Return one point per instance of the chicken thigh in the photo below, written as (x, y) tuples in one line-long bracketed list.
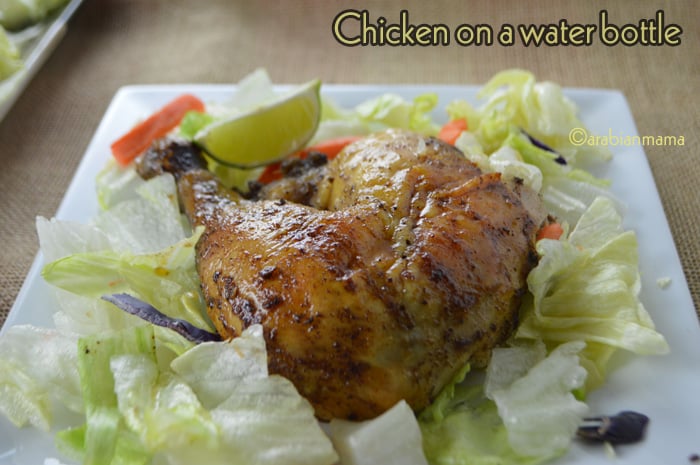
[(376, 276)]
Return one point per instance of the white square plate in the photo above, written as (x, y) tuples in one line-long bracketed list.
[(666, 388)]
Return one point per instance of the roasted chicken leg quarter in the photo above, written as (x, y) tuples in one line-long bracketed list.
[(375, 276)]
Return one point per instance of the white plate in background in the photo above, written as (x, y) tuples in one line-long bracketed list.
[(40, 40)]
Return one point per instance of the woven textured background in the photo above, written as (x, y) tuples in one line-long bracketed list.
[(111, 43)]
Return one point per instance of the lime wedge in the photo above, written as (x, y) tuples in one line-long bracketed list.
[(266, 134)]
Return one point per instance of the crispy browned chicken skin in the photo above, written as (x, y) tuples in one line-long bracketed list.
[(375, 277)]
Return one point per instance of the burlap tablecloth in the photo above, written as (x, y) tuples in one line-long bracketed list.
[(111, 43)]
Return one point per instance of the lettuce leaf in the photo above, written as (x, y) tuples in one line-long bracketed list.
[(252, 91), (586, 288), (377, 114), (393, 111), (211, 368), (393, 438), (139, 244), (514, 99), (261, 418), (161, 409), (469, 432), (139, 217), (115, 183), (19, 14), (38, 375), (147, 223), (523, 413), (193, 122), (217, 405), (266, 421), (516, 106), (104, 435), (538, 409), (167, 279)]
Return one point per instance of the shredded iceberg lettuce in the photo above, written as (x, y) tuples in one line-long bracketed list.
[(514, 99), (539, 409), (523, 413), (38, 374), (218, 405), (468, 430), (167, 279), (586, 288), (116, 183), (104, 432), (214, 404), (140, 243), (383, 112), (138, 217), (516, 109), (393, 438)]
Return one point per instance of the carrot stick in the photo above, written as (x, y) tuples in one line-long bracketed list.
[(550, 231), (141, 136), (450, 131), (330, 148), (272, 172)]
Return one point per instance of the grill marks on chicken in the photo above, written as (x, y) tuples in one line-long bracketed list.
[(376, 276)]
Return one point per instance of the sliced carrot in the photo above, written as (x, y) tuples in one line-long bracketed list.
[(141, 136), (451, 130), (550, 231), (330, 148), (272, 172)]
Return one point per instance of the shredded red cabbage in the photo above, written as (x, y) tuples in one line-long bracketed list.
[(539, 144), (149, 313)]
